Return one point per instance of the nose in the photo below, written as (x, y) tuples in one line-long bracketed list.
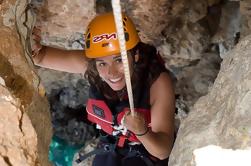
[(112, 71)]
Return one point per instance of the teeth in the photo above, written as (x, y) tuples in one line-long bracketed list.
[(115, 80)]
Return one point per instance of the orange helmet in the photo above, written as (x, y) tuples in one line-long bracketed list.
[(101, 36)]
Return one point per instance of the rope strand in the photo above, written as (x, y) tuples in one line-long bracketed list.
[(121, 37)]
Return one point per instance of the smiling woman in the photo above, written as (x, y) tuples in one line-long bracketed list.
[(111, 71), (145, 138)]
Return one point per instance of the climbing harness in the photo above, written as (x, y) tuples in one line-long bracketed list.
[(129, 152)]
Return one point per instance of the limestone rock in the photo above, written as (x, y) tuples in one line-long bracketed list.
[(192, 10), (17, 135), (150, 17), (25, 128), (64, 22), (245, 18), (213, 2), (217, 156), (229, 22), (28, 136), (194, 81), (229, 27), (184, 37), (184, 43), (52, 79), (223, 116)]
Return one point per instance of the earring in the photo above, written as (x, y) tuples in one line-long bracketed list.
[(136, 58)]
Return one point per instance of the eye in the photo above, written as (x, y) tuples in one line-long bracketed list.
[(119, 60), (101, 64)]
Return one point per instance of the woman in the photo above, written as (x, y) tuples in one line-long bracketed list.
[(150, 132)]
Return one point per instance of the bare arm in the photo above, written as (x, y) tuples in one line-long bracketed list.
[(52, 58), (62, 60), (159, 140)]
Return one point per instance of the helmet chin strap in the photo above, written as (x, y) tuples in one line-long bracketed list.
[(121, 38)]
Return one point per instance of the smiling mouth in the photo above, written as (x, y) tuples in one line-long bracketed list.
[(115, 80)]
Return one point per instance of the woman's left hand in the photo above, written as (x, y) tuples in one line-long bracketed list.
[(135, 123)]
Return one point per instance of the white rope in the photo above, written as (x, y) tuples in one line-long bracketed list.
[(121, 37)]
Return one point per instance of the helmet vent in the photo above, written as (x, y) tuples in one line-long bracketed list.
[(88, 36), (126, 36), (87, 44)]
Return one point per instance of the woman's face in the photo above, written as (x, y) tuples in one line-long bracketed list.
[(111, 70)]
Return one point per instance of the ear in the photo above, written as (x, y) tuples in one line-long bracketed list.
[(136, 58)]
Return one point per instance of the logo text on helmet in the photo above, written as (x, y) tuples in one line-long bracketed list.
[(102, 37)]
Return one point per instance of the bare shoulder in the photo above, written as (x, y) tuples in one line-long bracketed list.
[(162, 100), (162, 87)]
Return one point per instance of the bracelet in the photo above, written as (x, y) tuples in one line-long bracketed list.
[(147, 130)]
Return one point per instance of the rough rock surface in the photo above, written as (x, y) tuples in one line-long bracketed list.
[(52, 79), (184, 43), (245, 17), (213, 2), (222, 114), (149, 17), (195, 80), (64, 22), (17, 135), (227, 34), (25, 127)]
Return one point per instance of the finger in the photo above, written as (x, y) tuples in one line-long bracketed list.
[(37, 29), (36, 47), (36, 37), (34, 53), (128, 113), (123, 121)]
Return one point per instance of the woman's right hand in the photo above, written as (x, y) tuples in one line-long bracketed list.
[(36, 45), (72, 61)]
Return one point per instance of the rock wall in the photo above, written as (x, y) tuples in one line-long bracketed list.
[(25, 126), (245, 17), (222, 117), (64, 22), (190, 35), (18, 136)]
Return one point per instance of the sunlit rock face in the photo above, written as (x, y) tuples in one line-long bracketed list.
[(217, 156), (17, 134), (223, 116), (25, 125)]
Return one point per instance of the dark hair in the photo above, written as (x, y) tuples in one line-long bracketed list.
[(148, 68)]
